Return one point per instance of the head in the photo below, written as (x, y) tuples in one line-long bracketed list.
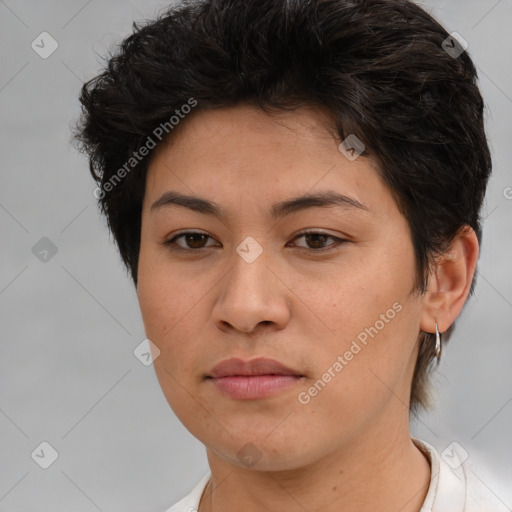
[(244, 107)]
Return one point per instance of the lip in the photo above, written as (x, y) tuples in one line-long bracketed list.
[(254, 379), (236, 367)]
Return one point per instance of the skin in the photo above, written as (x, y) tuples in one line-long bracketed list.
[(349, 448)]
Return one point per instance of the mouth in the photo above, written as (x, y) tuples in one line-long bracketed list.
[(254, 387), (254, 379)]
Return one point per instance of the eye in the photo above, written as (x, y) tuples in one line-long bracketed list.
[(316, 240), (192, 239)]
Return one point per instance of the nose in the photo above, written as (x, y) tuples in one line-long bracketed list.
[(252, 295)]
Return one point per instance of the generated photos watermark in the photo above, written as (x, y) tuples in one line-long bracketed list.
[(304, 397)]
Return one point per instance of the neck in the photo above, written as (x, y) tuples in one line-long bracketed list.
[(387, 474)]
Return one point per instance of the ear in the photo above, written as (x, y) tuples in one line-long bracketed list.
[(450, 282)]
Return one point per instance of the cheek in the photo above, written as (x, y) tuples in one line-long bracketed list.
[(174, 310), (166, 318), (352, 298), (165, 312), (165, 296), (368, 308), (361, 374)]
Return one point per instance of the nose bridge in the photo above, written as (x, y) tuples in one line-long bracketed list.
[(250, 293), (249, 264)]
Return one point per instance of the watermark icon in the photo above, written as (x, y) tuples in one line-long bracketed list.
[(304, 397), (44, 45), (249, 249), (248, 455), (137, 156), (45, 455), (146, 352), (454, 45), (454, 455), (351, 147), (507, 192), (44, 250)]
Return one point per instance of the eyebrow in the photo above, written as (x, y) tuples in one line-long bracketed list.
[(324, 199)]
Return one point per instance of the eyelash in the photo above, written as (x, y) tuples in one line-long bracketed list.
[(171, 243)]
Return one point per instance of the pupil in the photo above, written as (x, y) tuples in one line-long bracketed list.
[(192, 237), (316, 236)]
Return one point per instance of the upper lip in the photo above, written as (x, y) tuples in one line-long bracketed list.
[(258, 366)]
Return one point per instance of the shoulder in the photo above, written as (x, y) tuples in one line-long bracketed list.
[(483, 493), (190, 502), (459, 485)]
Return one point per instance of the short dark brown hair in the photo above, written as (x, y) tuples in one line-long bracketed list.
[(378, 66)]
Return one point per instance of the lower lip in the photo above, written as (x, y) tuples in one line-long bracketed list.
[(255, 386)]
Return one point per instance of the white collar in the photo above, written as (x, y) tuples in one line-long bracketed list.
[(447, 489)]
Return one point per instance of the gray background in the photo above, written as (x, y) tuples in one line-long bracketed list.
[(68, 374)]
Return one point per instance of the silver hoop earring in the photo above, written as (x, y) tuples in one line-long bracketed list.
[(438, 344)]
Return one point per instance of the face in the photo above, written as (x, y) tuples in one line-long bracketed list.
[(236, 277)]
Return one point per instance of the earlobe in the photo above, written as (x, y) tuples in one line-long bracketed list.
[(450, 282)]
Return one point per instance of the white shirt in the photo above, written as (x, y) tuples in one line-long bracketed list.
[(454, 487)]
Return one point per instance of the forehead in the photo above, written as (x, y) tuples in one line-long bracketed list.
[(240, 153)]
